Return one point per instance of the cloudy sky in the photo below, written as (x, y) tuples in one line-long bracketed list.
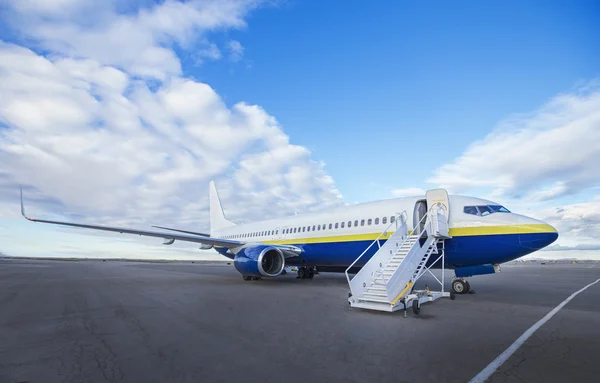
[(120, 112)]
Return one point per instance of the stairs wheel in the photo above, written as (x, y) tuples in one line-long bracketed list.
[(452, 295), (416, 307)]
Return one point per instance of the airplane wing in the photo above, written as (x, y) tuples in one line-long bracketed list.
[(182, 231), (289, 251)]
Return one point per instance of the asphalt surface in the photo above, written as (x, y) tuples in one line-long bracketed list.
[(93, 321)]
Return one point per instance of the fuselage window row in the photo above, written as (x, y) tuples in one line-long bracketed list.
[(304, 229)]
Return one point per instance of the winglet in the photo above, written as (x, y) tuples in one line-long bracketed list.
[(23, 208)]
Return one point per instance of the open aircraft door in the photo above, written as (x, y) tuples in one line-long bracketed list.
[(439, 198)]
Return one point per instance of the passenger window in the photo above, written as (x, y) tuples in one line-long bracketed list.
[(330, 226), (343, 224), (319, 227), (336, 225), (349, 223), (303, 229), (362, 222), (314, 227), (307, 228), (392, 218), (369, 221), (384, 220), (356, 223), (376, 221)]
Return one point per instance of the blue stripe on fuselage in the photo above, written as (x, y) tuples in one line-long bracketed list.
[(460, 250)]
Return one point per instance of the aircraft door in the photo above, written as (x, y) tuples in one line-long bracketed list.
[(439, 198), (439, 195), (419, 212)]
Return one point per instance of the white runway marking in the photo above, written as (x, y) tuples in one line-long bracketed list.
[(492, 367)]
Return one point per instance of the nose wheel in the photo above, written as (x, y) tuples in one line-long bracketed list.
[(460, 286)]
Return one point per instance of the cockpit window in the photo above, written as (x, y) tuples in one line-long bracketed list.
[(471, 210), (499, 209), (483, 210)]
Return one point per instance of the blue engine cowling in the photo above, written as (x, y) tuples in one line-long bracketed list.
[(259, 261)]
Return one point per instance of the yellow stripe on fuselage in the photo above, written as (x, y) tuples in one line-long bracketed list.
[(508, 229), (454, 232)]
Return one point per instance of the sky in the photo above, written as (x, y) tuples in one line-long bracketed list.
[(121, 112)]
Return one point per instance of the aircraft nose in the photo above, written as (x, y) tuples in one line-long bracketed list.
[(535, 234)]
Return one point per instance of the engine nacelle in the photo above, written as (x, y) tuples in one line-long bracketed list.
[(260, 261)]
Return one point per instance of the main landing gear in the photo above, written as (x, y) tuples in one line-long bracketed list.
[(306, 272), (461, 286), (251, 278)]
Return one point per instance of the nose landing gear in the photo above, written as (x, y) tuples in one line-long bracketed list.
[(461, 286)]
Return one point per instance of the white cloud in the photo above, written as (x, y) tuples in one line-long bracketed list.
[(139, 41), (578, 223), (408, 192), (236, 50), (550, 153), (84, 133), (211, 52), (132, 150)]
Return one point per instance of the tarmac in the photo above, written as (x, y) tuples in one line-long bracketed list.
[(95, 321)]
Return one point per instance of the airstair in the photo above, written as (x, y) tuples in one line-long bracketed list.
[(386, 282)]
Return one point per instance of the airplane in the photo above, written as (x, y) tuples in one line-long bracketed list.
[(483, 233)]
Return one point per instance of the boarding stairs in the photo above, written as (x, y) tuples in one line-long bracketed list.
[(386, 281)]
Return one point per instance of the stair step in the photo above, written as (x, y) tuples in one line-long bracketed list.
[(374, 300), (376, 295), (376, 288)]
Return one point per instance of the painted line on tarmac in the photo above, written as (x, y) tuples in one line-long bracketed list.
[(492, 367)]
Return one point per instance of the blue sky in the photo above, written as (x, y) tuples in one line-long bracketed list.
[(359, 101), (340, 77)]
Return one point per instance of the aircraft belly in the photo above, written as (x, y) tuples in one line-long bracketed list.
[(460, 250)]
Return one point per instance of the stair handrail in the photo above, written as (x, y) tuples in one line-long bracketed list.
[(429, 230), (401, 216), (408, 238)]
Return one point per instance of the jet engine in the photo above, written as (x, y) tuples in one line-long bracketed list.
[(259, 261)]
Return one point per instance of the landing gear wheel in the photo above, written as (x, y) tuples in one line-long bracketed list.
[(460, 286), (416, 307), (311, 273), (468, 288), (452, 295), (302, 272), (247, 277), (256, 278)]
